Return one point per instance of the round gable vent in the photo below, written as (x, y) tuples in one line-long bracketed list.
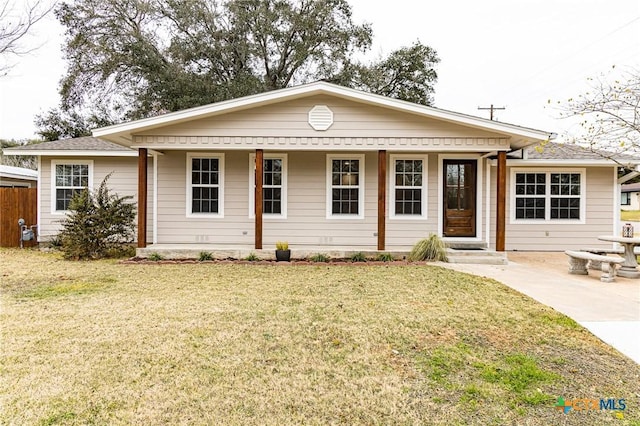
[(320, 117)]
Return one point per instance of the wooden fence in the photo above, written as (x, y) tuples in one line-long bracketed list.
[(16, 203)]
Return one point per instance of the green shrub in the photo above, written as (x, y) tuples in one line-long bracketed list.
[(205, 255), (155, 257), (319, 257), (99, 224), (252, 257), (282, 245), (56, 242), (385, 257), (358, 257), (432, 248)]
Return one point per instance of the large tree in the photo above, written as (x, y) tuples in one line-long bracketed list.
[(25, 161), (608, 114), (145, 57), (63, 124)]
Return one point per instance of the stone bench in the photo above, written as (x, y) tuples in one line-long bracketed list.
[(578, 264), (594, 264)]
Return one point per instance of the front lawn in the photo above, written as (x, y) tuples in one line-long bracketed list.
[(107, 343)]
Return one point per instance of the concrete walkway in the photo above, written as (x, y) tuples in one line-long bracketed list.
[(611, 311)]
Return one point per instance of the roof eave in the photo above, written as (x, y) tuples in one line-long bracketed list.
[(560, 162), (18, 176), (72, 153)]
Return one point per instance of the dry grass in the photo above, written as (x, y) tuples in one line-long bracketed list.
[(106, 343)]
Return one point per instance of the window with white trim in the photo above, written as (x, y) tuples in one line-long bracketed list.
[(69, 177), (345, 195), (531, 190), (625, 198), (408, 186), (565, 195), (205, 188), (548, 196), (274, 185)]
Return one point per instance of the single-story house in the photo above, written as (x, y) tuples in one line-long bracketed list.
[(324, 167), (17, 177), (630, 196)]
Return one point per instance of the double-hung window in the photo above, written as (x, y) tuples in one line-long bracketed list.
[(68, 177), (408, 186), (205, 185), (549, 195), (345, 183), (274, 185)]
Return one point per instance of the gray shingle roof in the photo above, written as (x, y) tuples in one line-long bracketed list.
[(85, 143), (569, 151)]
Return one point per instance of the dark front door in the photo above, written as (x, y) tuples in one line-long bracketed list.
[(459, 198)]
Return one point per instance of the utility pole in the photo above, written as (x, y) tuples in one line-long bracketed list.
[(491, 109)]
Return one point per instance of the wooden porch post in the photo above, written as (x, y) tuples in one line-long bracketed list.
[(258, 198), (501, 192), (142, 197), (382, 197)]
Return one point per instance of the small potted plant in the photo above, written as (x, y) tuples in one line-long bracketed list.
[(283, 254)]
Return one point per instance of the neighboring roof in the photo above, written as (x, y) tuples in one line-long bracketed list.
[(18, 173), (631, 187), (86, 145), (122, 133), (556, 151)]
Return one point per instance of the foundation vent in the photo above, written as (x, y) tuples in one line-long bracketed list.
[(320, 117)]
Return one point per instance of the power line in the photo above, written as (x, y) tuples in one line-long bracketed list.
[(574, 53)]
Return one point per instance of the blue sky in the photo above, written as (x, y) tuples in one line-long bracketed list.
[(513, 54)]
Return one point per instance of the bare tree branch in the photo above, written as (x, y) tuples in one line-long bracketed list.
[(608, 114), (15, 23)]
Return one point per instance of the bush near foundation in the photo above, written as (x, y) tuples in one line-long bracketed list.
[(99, 224)]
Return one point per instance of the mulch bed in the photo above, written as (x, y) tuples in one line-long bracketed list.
[(346, 262)]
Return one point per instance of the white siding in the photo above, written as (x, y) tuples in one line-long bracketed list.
[(123, 181), (562, 236), (306, 223), (173, 224), (403, 233)]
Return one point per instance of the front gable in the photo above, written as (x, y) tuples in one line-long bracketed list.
[(358, 120), (350, 119), (351, 125)]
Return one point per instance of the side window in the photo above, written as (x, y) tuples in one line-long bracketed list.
[(68, 178), (565, 196), (550, 195), (530, 190)]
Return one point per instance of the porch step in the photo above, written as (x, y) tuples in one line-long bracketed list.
[(467, 245), (477, 257)]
